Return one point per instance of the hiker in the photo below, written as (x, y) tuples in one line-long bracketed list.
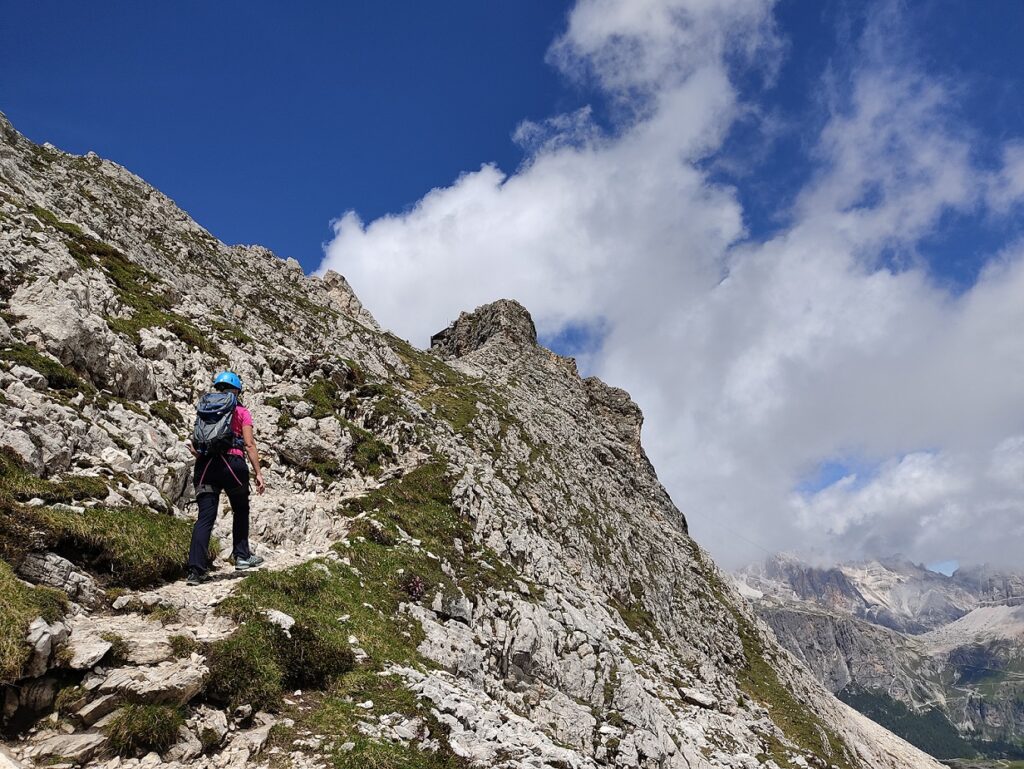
[(223, 430)]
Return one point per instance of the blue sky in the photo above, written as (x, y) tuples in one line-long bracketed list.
[(266, 123), (792, 230)]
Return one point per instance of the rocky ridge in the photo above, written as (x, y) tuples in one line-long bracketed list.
[(470, 559)]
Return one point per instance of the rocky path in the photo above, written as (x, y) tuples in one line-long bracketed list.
[(153, 638)]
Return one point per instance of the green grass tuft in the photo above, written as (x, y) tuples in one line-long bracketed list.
[(442, 390), (48, 217), (17, 483), (325, 397), (182, 645), (144, 728), (231, 332), (167, 412), (133, 545), (20, 604), (260, 660), (119, 648), (339, 716), (58, 376), (368, 453), (244, 668), (130, 546), (69, 699), (421, 504), (361, 599)]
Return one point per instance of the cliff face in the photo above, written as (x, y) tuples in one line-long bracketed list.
[(470, 558), (943, 653)]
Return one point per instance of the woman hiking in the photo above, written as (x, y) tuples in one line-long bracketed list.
[(220, 466)]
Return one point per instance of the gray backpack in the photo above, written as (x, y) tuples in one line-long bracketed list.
[(212, 434)]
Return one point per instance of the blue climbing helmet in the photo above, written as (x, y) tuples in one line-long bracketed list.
[(228, 378)]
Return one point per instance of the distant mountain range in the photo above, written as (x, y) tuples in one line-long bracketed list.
[(937, 659)]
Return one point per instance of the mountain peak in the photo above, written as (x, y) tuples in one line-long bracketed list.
[(506, 319)]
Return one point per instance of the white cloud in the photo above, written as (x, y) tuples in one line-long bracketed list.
[(753, 361)]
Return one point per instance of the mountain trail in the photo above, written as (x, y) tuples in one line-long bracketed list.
[(471, 561)]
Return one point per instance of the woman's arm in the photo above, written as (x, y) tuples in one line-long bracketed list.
[(254, 457)]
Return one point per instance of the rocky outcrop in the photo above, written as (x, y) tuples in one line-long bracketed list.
[(842, 651), (53, 571), (505, 319)]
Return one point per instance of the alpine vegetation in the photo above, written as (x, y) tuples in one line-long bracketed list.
[(466, 558)]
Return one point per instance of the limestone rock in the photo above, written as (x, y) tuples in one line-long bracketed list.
[(341, 293), (86, 654), (280, 619), (78, 748), (44, 639), (173, 683), (77, 337), (453, 605), (29, 376), (98, 708), (211, 725), (54, 571), (506, 319), (186, 748), (145, 639)]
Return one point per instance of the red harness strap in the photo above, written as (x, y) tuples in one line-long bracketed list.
[(203, 476), (230, 470)]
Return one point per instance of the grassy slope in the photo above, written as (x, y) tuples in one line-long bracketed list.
[(332, 600), (127, 546)]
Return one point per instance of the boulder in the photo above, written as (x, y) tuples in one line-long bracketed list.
[(186, 748), (77, 748), (98, 708), (18, 441), (210, 724), (279, 618), (170, 683), (698, 698), (453, 605), (44, 639), (30, 377), (52, 570), (86, 653)]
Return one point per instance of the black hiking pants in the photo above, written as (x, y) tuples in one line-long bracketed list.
[(229, 474)]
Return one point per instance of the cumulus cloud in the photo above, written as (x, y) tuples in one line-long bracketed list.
[(754, 360)]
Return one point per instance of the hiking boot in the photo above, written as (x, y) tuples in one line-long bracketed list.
[(252, 562), (196, 577)]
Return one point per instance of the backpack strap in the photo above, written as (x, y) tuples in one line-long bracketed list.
[(239, 441)]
